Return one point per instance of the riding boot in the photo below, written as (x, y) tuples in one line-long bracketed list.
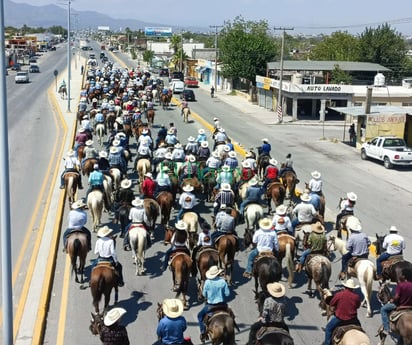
[(80, 182), (298, 267), (126, 244)]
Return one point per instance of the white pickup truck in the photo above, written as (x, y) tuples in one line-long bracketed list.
[(391, 150)]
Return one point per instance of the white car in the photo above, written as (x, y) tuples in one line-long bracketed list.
[(22, 77), (177, 86)]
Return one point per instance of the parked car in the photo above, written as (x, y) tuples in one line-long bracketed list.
[(191, 82), (177, 75), (188, 95), (33, 59), (16, 67), (164, 72), (34, 69), (53, 48), (177, 86), (22, 77)]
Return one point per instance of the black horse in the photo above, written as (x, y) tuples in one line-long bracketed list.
[(266, 269)]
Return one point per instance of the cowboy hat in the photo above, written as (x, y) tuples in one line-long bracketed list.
[(70, 153), (318, 228), (170, 131), (113, 316), (119, 120), (253, 182), (223, 206), (221, 130), (116, 142), (164, 168), (168, 155), (265, 224), (213, 272), (225, 187), (352, 196), (103, 154), (137, 202), (305, 197), (265, 140), (315, 174), (201, 131), (188, 188), (246, 164), (126, 183), (273, 161), (145, 131), (226, 167), (215, 119), (178, 145), (95, 166), (111, 102), (104, 231), (172, 307), (232, 154), (226, 148), (89, 142), (82, 129), (85, 117), (276, 290), (350, 284), (215, 154), (191, 139), (120, 134), (281, 210), (149, 174), (204, 144), (393, 228), (78, 204), (191, 158), (181, 225), (114, 149), (353, 223)]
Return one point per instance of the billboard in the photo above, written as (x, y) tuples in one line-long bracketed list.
[(157, 32)]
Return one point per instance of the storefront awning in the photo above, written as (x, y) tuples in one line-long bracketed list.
[(201, 69)]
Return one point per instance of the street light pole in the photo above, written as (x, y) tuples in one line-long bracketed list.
[(69, 67), (216, 27), (181, 51), (279, 107)]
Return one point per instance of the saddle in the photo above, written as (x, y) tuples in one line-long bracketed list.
[(387, 264), (270, 329), (284, 233), (72, 172), (310, 257), (354, 260), (396, 314), (137, 225), (262, 255), (340, 331), (218, 310), (177, 253), (225, 234), (107, 264)]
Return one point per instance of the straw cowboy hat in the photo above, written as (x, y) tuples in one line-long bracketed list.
[(103, 154), (276, 290), (223, 206), (204, 144), (137, 202), (226, 148), (318, 228), (281, 210), (70, 153), (113, 316), (178, 145), (188, 188), (181, 225), (215, 119), (273, 161), (265, 224), (305, 197), (191, 139), (78, 204), (350, 284), (201, 131), (352, 196), (353, 223), (393, 228), (82, 129), (213, 272), (191, 158), (172, 307), (89, 142), (232, 154), (226, 187), (316, 174), (215, 154), (126, 183), (104, 231), (149, 174), (116, 142), (246, 164)]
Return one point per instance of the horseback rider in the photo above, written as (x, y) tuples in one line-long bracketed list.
[(201, 137), (281, 222), (179, 242), (265, 239), (347, 208), (99, 118), (163, 182), (225, 197), (187, 201), (171, 138), (172, 325), (123, 197), (316, 244), (204, 240), (225, 224), (216, 292), (148, 186), (394, 244), (189, 168), (304, 212), (71, 164), (346, 303), (287, 165), (104, 165), (213, 163), (89, 152), (357, 245), (220, 137), (112, 332), (246, 173), (191, 147), (161, 135), (273, 311), (231, 160), (137, 217), (264, 150), (224, 176), (116, 160), (77, 219), (105, 249), (80, 139), (62, 84), (251, 158), (96, 179), (271, 173), (253, 195), (315, 183), (203, 151)]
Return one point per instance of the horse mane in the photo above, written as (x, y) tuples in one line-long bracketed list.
[(340, 245)]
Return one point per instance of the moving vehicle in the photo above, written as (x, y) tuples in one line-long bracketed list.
[(16, 67), (188, 95), (34, 69), (177, 75), (164, 72), (191, 82), (22, 77), (388, 149), (32, 59), (177, 86)]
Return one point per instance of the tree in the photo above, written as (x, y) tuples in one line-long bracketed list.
[(177, 56), (340, 46), (148, 56), (245, 47), (175, 43), (340, 77)]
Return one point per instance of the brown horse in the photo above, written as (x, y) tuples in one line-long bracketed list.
[(181, 267), (318, 269), (165, 100), (275, 193), (226, 246), (150, 115), (165, 200), (152, 210), (70, 183), (96, 323), (207, 257), (192, 221), (103, 279), (286, 251), (289, 180), (221, 328), (77, 248), (88, 166)]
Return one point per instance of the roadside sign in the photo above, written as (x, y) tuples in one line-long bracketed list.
[(157, 32), (55, 72)]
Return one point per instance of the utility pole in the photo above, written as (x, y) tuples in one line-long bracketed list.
[(216, 27), (181, 51), (279, 107), (69, 53)]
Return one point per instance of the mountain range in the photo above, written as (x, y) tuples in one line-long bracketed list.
[(20, 14)]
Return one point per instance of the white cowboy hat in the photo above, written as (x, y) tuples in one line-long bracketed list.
[(215, 119), (253, 182), (265, 140), (226, 167), (213, 272), (246, 164), (191, 139), (273, 161), (201, 131), (78, 204), (249, 155), (191, 158), (281, 210), (111, 102), (119, 120), (215, 154), (103, 154), (116, 142), (232, 154), (95, 166), (170, 131), (104, 231), (318, 228), (204, 143), (172, 307), (82, 129), (89, 142), (114, 149), (352, 196), (223, 206), (85, 117), (126, 183), (305, 197), (188, 188), (393, 228), (178, 146), (276, 290), (265, 224), (226, 186), (113, 316), (70, 153), (221, 129), (315, 174), (120, 134), (350, 284), (149, 174), (181, 225), (353, 223), (226, 148), (168, 155), (137, 202), (145, 131)]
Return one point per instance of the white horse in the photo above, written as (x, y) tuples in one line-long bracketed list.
[(364, 271), (100, 132), (142, 167), (116, 176), (138, 242), (253, 213), (108, 188), (95, 204)]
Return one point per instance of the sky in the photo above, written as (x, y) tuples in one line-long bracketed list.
[(304, 16)]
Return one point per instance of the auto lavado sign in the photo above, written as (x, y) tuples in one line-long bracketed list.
[(157, 32)]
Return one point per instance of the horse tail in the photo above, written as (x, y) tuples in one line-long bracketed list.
[(325, 276), (289, 262), (77, 247)]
